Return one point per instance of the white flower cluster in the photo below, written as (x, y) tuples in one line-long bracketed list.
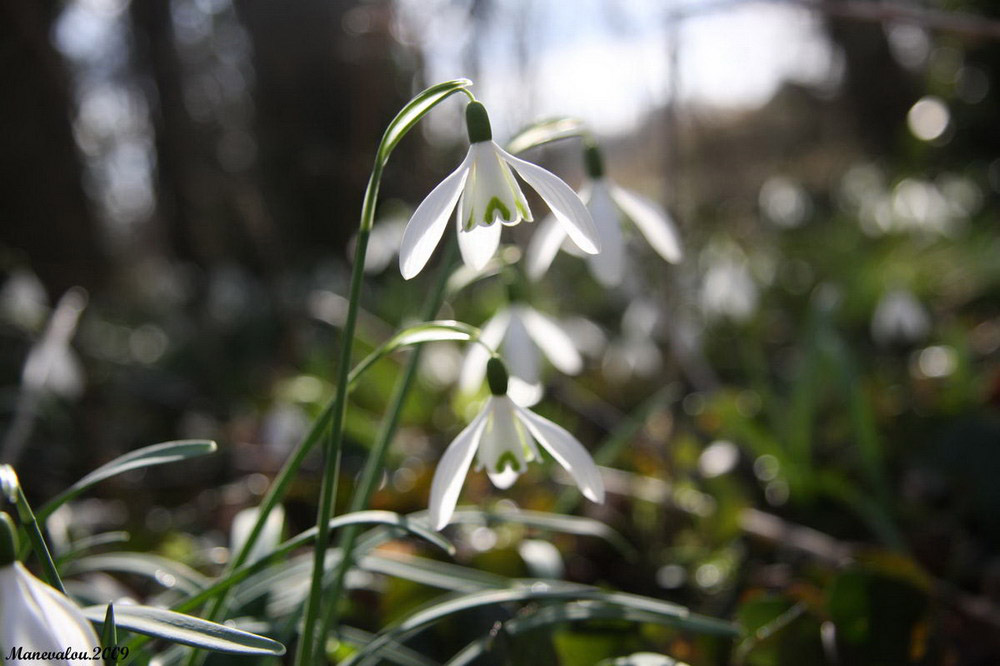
[(504, 436)]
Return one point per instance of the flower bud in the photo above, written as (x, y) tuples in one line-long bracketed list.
[(593, 161), (496, 376), (477, 122), (8, 540)]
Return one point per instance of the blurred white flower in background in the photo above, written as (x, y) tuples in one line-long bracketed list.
[(270, 534), (784, 202), (635, 353), (899, 317), (728, 289), (609, 205), (23, 301), (521, 334)]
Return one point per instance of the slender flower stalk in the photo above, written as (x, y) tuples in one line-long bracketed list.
[(502, 439), (522, 334), (35, 541), (403, 122), (376, 458), (609, 206), (488, 197)]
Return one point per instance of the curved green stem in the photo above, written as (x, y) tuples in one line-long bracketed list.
[(397, 129), (14, 493), (374, 463)]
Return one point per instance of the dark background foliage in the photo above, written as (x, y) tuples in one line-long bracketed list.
[(198, 168)]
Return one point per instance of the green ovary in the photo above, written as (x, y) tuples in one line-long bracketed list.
[(508, 459)]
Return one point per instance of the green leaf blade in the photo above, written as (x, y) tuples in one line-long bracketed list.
[(546, 131), (148, 456), (187, 630)]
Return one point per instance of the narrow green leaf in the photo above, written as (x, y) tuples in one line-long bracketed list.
[(546, 131), (442, 575), (394, 521), (543, 520), (149, 456), (643, 659), (538, 591), (397, 654), (186, 630), (166, 572), (416, 109), (109, 636), (86, 544), (556, 614), (430, 331)]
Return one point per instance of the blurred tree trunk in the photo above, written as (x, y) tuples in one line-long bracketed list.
[(44, 211), (328, 75), (176, 142), (878, 91)]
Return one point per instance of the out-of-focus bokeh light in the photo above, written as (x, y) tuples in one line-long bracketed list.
[(928, 119)]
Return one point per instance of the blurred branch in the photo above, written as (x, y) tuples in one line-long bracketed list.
[(776, 530), (963, 23), (39, 367)]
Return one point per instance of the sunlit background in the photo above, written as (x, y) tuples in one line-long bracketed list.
[(180, 181)]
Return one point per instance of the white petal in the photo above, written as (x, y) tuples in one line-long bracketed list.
[(653, 221), (562, 200), (609, 265), (479, 244), (544, 246), (503, 480), (504, 451), (450, 473), (491, 193), (519, 351), (567, 451), (554, 343), (523, 393), (270, 534), (37, 617), (423, 231), (474, 367)]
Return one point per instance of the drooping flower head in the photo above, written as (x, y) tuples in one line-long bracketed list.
[(609, 206), (34, 616), (488, 197), (899, 317), (523, 335), (502, 439)]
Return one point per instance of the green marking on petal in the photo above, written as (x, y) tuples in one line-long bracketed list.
[(522, 208), (508, 459), (496, 205)]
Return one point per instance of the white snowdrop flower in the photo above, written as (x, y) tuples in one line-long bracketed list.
[(52, 365), (635, 353), (502, 439), (728, 289), (23, 300), (270, 534), (35, 617), (522, 334), (488, 197), (609, 205), (899, 317)]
